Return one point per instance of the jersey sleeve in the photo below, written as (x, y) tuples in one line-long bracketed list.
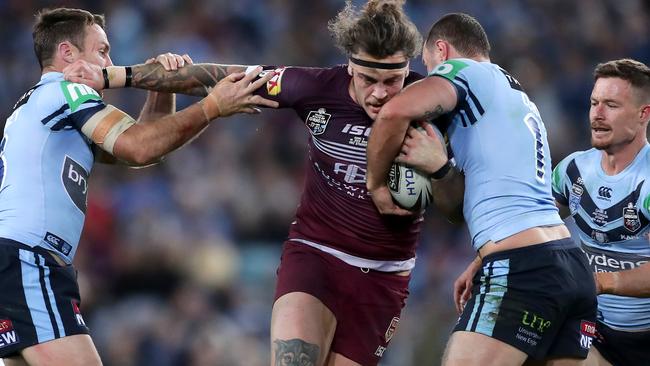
[(289, 85), (452, 70), (560, 183), (470, 82), (74, 105)]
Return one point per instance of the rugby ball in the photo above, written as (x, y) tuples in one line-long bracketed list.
[(410, 188)]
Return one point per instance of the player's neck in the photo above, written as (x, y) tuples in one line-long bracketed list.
[(51, 68), (614, 162)]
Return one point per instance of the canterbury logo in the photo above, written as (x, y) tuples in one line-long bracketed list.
[(605, 192)]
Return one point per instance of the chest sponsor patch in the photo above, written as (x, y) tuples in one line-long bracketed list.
[(317, 121), (75, 182), (8, 335)]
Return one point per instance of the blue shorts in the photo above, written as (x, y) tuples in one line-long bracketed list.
[(39, 298), (539, 299), (622, 348)]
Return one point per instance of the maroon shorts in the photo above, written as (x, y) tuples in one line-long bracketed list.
[(367, 306)]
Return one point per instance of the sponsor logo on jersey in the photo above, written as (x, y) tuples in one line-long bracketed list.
[(631, 218), (392, 327), (610, 261), (57, 243), (599, 217), (77, 313), (317, 121), (604, 193), (76, 94), (574, 196), (353, 173), (274, 86), (8, 335), (449, 69), (587, 333), (359, 134), (600, 237), (75, 181)]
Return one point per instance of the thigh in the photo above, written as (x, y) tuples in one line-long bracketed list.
[(468, 349), (594, 358), (302, 328), (75, 350)]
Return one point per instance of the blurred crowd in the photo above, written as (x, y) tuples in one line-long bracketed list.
[(177, 262)]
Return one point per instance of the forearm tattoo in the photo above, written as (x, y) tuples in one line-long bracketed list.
[(295, 352), (431, 115), (195, 79)]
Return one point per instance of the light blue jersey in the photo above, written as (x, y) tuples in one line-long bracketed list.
[(611, 216), (46, 161), (499, 142)]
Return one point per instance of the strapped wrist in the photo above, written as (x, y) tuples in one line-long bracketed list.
[(107, 83), (211, 104), (440, 173), (117, 76)]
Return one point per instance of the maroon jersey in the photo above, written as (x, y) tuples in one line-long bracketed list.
[(335, 209)]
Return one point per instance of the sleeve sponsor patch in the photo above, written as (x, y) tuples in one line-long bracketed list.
[(274, 86), (449, 69), (76, 94)]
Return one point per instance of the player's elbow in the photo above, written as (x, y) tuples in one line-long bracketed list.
[(134, 152), (390, 113)]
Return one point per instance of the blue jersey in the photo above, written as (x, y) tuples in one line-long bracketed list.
[(612, 217), (46, 161), (499, 141)]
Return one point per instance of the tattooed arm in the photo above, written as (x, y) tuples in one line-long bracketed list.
[(195, 79), (424, 100)]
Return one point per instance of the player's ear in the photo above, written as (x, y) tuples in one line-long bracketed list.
[(645, 113), (67, 52)]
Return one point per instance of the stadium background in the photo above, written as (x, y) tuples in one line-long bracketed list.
[(177, 261)]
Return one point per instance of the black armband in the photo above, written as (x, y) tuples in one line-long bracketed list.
[(440, 173), (129, 76), (106, 82)]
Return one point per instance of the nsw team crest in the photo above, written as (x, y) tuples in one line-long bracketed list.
[(631, 218), (317, 121)]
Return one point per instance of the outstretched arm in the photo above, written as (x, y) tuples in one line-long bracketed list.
[(424, 100), (197, 79), (144, 143)]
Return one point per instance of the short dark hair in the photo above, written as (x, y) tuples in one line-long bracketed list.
[(380, 29), (54, 26), (633, 71), (463, 32)]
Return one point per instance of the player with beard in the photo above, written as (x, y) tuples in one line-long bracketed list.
[(606, 191)]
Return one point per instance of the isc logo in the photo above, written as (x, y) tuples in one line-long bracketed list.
[(357, 130)]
